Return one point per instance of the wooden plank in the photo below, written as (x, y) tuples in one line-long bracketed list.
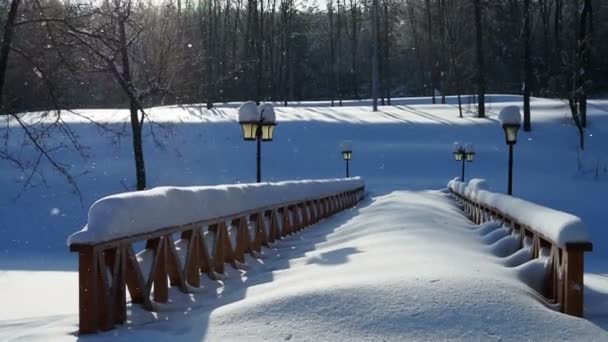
[(174, 265), (116, 260), (135, 280), (218, 248), (573, 279), (105, 300), (158, 276), (192, 267), (87, 289)]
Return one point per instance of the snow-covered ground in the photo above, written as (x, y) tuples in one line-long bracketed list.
[(403, 266), (407, 146)]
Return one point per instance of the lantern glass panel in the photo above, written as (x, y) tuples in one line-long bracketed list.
[(347, 155), (511, 133), (267, 132), (458, 155), (249, 130), (470, 156)]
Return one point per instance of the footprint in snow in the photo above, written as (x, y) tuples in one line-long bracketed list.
[(435, 280), (288, 337)]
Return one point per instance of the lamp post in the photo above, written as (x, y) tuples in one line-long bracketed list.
[(258, 125), (510, 118), (347, 155), (463, 153)]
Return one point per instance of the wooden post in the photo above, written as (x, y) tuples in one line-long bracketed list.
[(574, 268), (87, 288)]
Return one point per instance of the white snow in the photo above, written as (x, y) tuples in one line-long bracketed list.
[(311, 286), (139, 212), (406, 266), (267, 112), (248, 112), (562, 228), (510, 115)]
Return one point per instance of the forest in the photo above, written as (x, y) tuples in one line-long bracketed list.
[(135, 53)]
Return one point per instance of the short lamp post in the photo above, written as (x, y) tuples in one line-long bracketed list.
[(463, 153), (258, 124), (510, 118), (347, 155)]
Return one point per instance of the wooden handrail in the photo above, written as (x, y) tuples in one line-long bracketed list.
[(564, 282), (108, 269)]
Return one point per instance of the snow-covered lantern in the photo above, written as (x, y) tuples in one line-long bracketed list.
[(347, 150), (347, 154), (257, 122), (469, 152), (510, 117), (459, 151)]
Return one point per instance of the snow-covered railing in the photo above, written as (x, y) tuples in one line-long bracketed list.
[(187, 232), (560, 236)]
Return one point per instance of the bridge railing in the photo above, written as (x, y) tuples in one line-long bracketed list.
[(188, 232), (558, 236)]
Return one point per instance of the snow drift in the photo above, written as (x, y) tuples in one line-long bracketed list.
[(133, 213), (562, 228)]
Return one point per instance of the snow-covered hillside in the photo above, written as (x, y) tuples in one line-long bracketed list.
[(407, 146)]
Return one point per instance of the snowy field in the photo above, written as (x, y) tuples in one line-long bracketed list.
[(382, 271)]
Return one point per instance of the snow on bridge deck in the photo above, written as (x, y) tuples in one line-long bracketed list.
[(404, 266)]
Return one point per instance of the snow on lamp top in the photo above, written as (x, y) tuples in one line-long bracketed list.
[(457, 146), (510, 116), (266, 110), (469, 148), (248, 112), (346, 145)]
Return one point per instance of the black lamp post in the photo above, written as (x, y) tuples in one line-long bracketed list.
[(511, 135), (347, 155), (511, 122), (463, 153), (260, 130)]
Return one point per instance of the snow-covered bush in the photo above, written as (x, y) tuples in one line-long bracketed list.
[(140, 212)]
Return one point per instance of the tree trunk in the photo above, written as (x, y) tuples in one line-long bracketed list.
[(9, 29), (354, 44), (481, 83), (339, 55), (431, 55), (527, 66), (332, 59), (387, 62), (136, 123), (374, 22)]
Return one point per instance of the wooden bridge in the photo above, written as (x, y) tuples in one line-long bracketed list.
[(187, 256)]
